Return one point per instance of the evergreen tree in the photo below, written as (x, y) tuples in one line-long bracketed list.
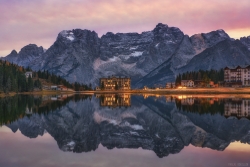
[(8, 86), (1, 79), (30, 85)]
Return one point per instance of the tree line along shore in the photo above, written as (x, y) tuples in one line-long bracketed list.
[(14, 78)]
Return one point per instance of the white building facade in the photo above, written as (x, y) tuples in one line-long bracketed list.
[(28, 73), (187, 83), (238, 74)]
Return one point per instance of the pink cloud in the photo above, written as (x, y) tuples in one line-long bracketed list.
[(23, 22)]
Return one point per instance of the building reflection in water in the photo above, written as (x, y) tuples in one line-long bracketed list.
[(237, 107), (233, 107), (114, 100)]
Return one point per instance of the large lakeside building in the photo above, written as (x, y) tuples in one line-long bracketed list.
[(115, 83), (238, 75)]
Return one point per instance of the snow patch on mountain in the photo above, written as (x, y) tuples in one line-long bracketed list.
[(68, 35), (136, 54), (98, 63), (135, 127)]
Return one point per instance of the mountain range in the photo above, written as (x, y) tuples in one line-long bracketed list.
[(150, 58)]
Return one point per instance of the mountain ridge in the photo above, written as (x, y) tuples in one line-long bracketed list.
[(80, 55)]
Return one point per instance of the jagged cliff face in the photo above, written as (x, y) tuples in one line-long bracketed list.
[(246, 41), (26, 55), (225, 53), (150, 58), (150, 124), (135, 55), (71, 56)]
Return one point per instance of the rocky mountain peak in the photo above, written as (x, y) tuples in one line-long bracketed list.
[(216, 35), (246, 41), (163, 32), (109, 34), (205, 40), (31, 49), (77, 34), (13, 52), (160, 28), (66, 34), (161, 25)]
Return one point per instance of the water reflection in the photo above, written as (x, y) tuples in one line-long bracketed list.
[(239, 108), (163, 124), (114, 100), (17, 107), (229, 107)]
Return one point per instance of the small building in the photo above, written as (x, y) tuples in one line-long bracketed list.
[(170, 85), (53, 87), (62, 88), (213, 85), (28, 73), (45, 87), (187, 83), (115, 83)]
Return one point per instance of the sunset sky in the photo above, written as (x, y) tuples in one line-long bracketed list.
[(39, 21)]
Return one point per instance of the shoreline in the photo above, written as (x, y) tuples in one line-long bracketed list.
[(182, 91), (47, 92), (190, 91)]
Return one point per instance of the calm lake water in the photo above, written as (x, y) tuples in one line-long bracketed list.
[(123, 130)]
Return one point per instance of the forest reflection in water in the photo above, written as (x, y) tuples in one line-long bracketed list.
[(163, 124)]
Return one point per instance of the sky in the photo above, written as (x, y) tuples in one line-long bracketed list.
[(24, 22)]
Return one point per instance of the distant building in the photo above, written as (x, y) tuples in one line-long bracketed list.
[(28, 73), (187, 83), (115, 83), (170, 85), (211, 84), (62, 88), (237, 76), (53, 87), (45, 87)]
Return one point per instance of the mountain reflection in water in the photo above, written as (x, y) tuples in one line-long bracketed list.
[(163, 124)]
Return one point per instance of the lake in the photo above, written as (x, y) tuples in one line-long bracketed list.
[(125, 130)]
